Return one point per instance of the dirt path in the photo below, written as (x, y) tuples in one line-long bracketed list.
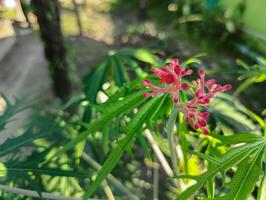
[(23, 72), (23, 66)]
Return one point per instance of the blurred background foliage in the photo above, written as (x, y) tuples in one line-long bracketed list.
[(110, 46)]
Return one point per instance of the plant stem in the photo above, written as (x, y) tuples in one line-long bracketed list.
[(32, 193), (166, 167), (156, 179), (107, 190), (171, 140), (111, 178)]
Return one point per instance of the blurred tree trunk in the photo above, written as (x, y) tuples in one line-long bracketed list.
[(142, 9), (76, 10), (25, 9), (47, 12)]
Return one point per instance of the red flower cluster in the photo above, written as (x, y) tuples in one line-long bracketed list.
[(201, 91)]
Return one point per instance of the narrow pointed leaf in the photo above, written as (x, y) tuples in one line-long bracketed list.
[(130, 101), (245, 178), (122, 145)]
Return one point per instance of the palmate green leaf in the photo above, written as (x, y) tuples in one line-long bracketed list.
[(123, 144), (130, 101), (246, 176), (228, 160), (238, 138)]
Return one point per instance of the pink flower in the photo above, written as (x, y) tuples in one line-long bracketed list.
[(171, 79)]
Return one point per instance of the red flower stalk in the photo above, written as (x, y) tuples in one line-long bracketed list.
[(170, 77)]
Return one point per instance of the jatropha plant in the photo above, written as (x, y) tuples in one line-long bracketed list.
[(238, 142), (201, 92)]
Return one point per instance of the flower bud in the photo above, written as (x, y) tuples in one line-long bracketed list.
[(196, 125), (169, 78), (191, 115), (227, 87), (202, 122), (210, 82), (205, 114), (146, 82), (146, 94), (202, 72), (189, 72), (205, 131), (184, 86), (175, 99), (183, 73), (177, 69)]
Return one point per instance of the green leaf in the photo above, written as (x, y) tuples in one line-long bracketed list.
[(117, 70), (143, 55), (241, 63), (246, 176), (225, 110), (228, 160), (262, 188), (238, 138), (253, 116), (123, 144), (94, 80), (196, 178), (131, 101), (45, 171), (204, 156), (244, 85), (194, 59), (26, 139)]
